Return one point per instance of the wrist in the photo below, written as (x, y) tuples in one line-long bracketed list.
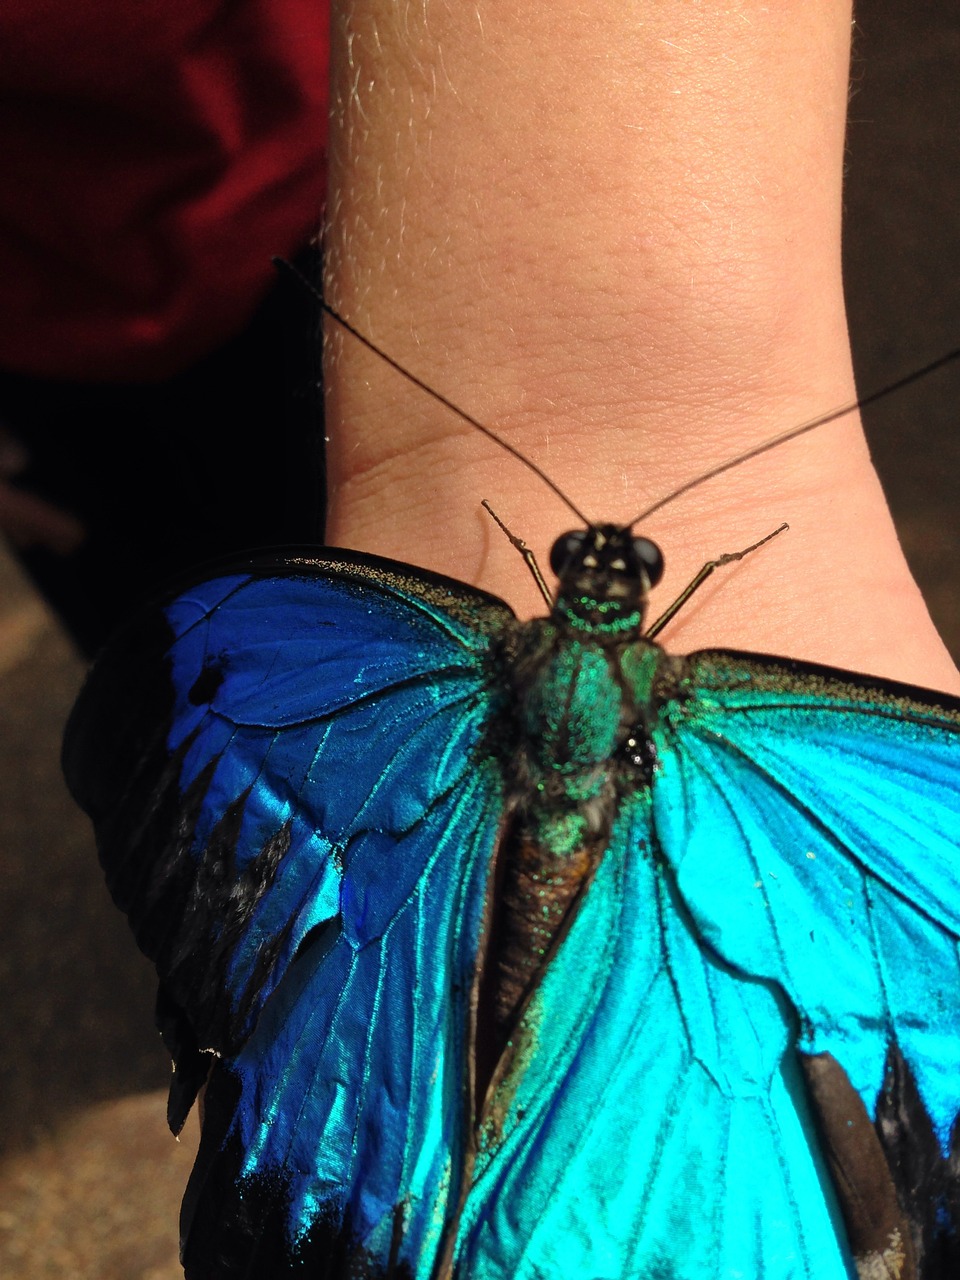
[(628, 266)]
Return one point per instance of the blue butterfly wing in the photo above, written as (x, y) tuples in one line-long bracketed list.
[(811, 820), (303, 848)]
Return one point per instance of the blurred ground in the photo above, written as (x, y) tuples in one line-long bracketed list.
[(98, 1199), (91, 1181), (90, 1177)]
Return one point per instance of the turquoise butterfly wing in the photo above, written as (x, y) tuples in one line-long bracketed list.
[(298, 806), (791, 882)]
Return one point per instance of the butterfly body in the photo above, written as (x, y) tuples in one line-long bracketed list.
[(581, 682), (512, 939)]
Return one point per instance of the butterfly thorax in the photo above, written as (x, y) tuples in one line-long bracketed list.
[(582, 678)]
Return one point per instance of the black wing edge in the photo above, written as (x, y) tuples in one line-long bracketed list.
[(767, 672), (899, 1195), (234, 1227), (185, 912), (121, 715), (306, 560), (118, 769)]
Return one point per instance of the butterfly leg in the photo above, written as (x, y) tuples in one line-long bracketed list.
[(529, 559), (701, 578)]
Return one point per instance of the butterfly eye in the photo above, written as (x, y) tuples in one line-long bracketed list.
[(566, 547), (651, 559)]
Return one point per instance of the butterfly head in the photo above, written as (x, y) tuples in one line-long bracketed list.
[(605, 574)]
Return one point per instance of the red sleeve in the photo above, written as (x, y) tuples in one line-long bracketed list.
[(155, 157)]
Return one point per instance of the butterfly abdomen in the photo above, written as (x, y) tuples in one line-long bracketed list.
[(535, 898)]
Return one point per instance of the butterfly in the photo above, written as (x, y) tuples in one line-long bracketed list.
[(528, 949)]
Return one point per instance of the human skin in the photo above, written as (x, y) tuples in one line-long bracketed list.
[(611, 233)]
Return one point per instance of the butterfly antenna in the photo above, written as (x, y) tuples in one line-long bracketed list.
[(283, 264), (455, 408), (775, 441)]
